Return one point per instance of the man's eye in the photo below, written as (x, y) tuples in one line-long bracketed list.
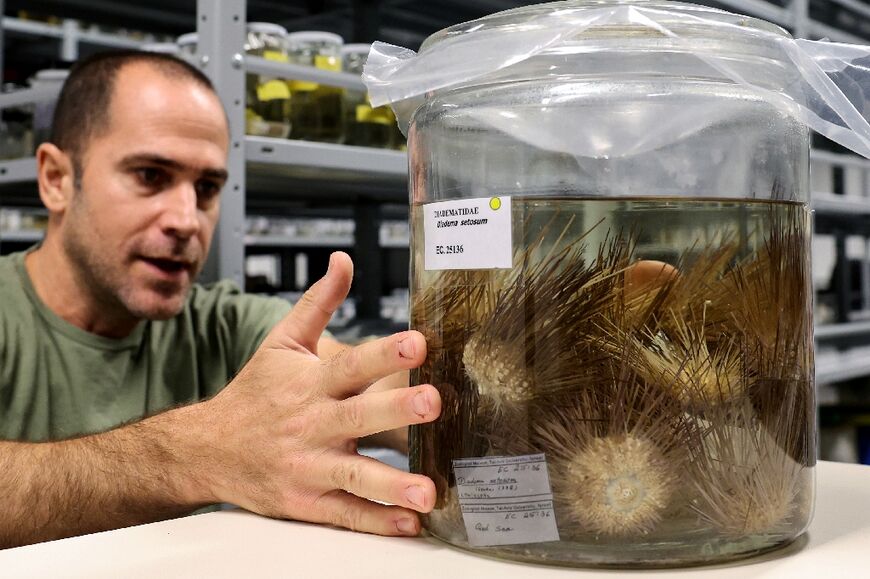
[(206, 189), (151, 177)]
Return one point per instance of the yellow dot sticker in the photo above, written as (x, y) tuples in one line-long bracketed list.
[(495, 203)]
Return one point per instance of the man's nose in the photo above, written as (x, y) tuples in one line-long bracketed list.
[(181, 212)]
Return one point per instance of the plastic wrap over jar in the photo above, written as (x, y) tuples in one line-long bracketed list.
[(822, 84), (610, 264)]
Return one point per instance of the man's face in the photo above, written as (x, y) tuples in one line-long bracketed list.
[(139, 228)]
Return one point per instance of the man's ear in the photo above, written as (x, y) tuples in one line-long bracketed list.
[(56, 177)]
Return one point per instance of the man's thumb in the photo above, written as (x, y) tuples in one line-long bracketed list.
[(308, 318)]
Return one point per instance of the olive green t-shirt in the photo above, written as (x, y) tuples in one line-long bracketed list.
[(57, 380)]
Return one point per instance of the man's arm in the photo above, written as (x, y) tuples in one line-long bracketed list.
[(135, 474), (279, 440)]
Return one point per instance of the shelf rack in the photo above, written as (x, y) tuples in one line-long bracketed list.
[(70, 35)]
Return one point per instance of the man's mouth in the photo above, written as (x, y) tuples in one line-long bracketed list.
[(171, 267)]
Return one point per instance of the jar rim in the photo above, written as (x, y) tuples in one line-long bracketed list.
[(59, 73), (678, 16), (315, 36), (356, 48), (158, 47), (187, 39), (267, 28)]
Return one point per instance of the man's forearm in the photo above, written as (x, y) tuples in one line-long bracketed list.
[(135, 474)]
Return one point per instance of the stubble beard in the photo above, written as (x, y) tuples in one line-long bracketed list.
[(107, 283)]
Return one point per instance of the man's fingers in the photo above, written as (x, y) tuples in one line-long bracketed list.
[(370, 479), (308, 318), (374, 412), (353, 369), (350, 512)]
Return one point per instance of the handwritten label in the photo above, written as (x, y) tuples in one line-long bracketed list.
[(468, 234), (506, 500)]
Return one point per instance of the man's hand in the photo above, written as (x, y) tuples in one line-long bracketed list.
[(285, 429), (279, 440)]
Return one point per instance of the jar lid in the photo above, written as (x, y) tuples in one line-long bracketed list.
[(306, 36), (52, 74), (269, 28), (357, 48), (161, 47), (189, 39)]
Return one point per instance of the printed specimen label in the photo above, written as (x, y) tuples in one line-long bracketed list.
[(468, 234), (506, 500)]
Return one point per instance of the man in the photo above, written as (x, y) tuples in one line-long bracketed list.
[(102, 325)]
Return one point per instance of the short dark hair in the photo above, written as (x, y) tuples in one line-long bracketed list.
[(82, 109)]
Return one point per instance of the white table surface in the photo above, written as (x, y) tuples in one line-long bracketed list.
[(240, 544)]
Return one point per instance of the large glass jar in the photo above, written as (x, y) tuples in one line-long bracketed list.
[(364, 125), (316, 109), (610, 264), (268, 98)]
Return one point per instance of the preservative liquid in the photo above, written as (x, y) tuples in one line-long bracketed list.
[(637, 387)]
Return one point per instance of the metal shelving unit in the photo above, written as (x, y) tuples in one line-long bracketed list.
[(291, 169), (70, 35), (336, 241), (300, 169)]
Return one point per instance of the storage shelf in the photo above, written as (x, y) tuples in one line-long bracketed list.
[(839, 159), (324, 241), (842, 331), (24, 236), (292, 241), (18, 170), (27, 96), (298, 169), (837, 366), (286, 70), (841, 204), (71, 30)]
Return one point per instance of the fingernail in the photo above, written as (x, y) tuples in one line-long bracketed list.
[(406, 526), (415, 496), (406, 347), (331, 261), (421, 404)]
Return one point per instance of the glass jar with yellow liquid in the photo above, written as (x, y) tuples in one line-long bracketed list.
[(268, 98), (315, 109), (364, 125)]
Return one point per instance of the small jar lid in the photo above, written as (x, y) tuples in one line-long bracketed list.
[(52, 74), (161, 47), (315, 36), (357, 48), (189, 39), (269, 28)]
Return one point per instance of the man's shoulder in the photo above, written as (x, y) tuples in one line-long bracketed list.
[(226, 301), (225, 323), (11, 285), (8, 265)]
